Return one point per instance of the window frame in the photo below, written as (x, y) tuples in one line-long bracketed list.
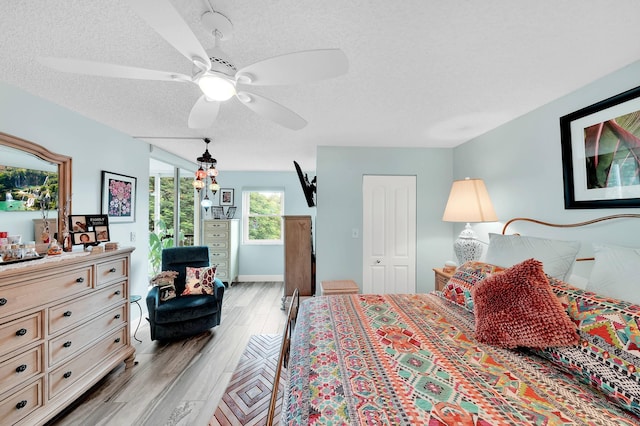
[(246, 197)]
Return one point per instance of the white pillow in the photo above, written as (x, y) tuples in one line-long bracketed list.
[(616, 272), (557, 256)]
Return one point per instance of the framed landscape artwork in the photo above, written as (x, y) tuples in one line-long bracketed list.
[(601, 153)]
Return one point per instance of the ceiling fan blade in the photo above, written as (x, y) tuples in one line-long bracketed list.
[(294, 68), (166, 21), (79, 66), (272, 110), (203, 113)]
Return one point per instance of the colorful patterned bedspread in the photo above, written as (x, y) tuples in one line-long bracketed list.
[(413, 360)]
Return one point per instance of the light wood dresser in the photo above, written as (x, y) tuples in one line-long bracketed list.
[(64, 324), (222, 237)]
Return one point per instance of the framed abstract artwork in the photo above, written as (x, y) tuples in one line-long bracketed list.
[(601, 153), (118, 197)]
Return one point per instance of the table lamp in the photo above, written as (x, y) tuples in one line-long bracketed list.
[(468, 202)]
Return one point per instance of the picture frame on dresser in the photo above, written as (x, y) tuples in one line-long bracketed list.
[(217, 212), (38, 229), (89, 229), (600, 167), (231, 212), (119, 197)]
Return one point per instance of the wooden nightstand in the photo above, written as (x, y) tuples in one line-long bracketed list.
[(441, 278)]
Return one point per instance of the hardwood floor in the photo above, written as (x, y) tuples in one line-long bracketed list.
[(181, 383)]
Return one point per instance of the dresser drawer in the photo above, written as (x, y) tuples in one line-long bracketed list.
[(41, 290), (73, 341), (20, 332), (214, 225), (220, 245), (219, 264), (216, 256), (80, 309), (214, 236), (20, 368), (21, 404), (109, 272), (222, 273), (72, 371)]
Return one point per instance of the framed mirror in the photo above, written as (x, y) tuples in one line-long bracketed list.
[(64, 171)]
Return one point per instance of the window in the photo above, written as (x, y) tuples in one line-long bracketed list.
[(262, 216), (165, 214)]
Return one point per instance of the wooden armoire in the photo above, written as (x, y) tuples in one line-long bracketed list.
[(299, 258)]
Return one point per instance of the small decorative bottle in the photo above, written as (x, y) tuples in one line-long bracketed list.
[(66, 242)]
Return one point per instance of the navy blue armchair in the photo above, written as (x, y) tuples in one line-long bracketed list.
[(184, 316)]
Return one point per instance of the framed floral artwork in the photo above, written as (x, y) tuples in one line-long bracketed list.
[(118, 197)]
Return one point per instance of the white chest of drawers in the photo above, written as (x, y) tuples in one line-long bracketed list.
[(222, 237), (64, 324)]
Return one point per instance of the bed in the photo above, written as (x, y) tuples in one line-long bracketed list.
[(423, 359)]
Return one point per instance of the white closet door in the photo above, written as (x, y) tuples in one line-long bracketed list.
[(389, 234)]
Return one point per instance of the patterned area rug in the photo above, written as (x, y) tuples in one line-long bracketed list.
[(246, 399)]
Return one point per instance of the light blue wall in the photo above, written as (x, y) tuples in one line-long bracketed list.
[(340, 173), (260, 260), (522, 166), (520, 162), (93, 147)]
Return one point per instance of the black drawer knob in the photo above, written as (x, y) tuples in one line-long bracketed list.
[(66, 344), (21, 368), (21, 404), (67, 374), (67, 314), (80, 280), (117, 340), (21, 332), (112, 270), (117, 316), (117, 292), (3, 301)]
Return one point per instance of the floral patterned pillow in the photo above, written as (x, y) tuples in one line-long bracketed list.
[(199, 280)]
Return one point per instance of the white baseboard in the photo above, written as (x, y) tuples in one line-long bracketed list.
[(262, 278)]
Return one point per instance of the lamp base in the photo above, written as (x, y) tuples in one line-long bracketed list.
[(467, 247)]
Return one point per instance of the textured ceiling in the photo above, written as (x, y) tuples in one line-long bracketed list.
[(421, 72)]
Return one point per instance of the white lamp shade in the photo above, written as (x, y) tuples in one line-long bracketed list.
[(469, 202)]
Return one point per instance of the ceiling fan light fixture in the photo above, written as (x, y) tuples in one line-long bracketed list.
[(216, 88), (244, 97), (245, 78)]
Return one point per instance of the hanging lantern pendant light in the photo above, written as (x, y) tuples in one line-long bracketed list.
[(206, 176)]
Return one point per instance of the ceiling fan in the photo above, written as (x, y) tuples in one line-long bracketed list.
[(213, 71)]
